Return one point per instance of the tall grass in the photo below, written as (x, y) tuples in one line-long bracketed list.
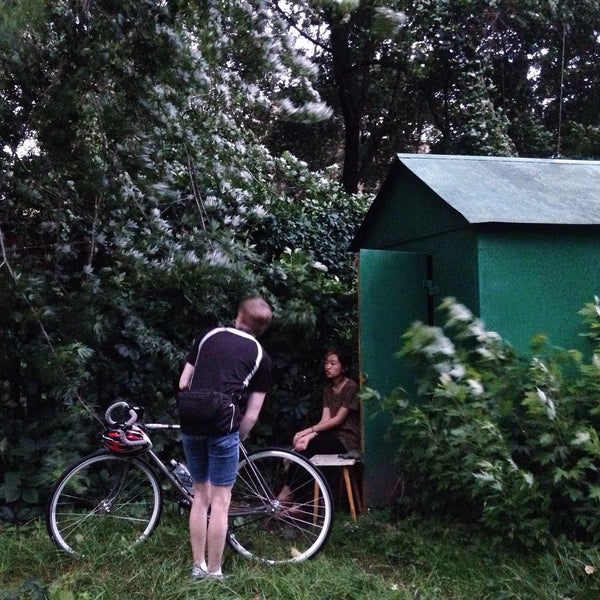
[(373, 558)]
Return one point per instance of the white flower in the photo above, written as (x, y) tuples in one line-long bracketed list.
[(190, 257), (259, 210), (458, 371), (582, 437), (440, 345), (445, 379), (398, 17), (460, 313), (216, 258), (550, 408), (476, 387)]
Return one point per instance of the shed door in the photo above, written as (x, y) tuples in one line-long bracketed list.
[(393, 293)]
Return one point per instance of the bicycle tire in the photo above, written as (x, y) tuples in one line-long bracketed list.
[(104, 502), (261, 526)]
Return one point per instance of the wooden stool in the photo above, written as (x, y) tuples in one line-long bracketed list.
[(351, 485)]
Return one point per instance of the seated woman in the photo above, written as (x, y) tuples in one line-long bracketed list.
[(338, 430)]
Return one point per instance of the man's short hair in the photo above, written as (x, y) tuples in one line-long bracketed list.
[(256, 314)]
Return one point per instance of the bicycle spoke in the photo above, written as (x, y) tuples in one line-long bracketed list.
[(102, 499), (262, 525)]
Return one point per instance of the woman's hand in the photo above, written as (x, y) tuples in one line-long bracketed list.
[(300, 435), (301, 439), (301, 443)]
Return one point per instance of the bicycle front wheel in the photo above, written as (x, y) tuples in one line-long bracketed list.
[(104, 503), (265, 525)]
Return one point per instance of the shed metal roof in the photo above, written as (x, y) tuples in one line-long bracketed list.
[(513, 190)]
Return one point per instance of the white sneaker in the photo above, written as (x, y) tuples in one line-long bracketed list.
[(198, 573)]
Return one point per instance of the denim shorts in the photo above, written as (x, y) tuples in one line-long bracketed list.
[(213, 459)]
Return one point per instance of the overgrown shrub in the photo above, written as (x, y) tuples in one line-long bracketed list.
[(509, 440), (138, 205)]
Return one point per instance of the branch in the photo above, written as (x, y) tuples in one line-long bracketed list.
[(292, 25), (195, 191), (93, 240)]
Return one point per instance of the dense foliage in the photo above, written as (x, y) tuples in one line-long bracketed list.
[(463, 77), (496, 437), (137, 205), (161, 159)]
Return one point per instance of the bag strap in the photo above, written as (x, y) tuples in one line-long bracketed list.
[(259, 350)]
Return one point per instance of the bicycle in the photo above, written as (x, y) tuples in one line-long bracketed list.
[(113, 497)]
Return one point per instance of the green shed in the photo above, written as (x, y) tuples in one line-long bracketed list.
[(516, 240)]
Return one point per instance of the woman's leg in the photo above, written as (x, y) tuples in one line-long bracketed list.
[(325, 442), (298, 487)]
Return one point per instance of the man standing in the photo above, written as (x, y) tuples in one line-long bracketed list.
[(231, 362)]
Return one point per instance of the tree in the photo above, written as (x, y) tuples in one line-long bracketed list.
[(461, 77), (134, 196)]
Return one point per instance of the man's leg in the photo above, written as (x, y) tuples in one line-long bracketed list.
[(220, 498), (199, 522), (223, 452)]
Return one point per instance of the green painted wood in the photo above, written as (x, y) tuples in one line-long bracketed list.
[(405, 210), (392, 296), (500, 189), (535, 281), (454, 259)]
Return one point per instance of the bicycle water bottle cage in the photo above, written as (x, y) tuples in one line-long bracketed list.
[(133, 440)]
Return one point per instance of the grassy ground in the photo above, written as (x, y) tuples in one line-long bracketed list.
[(374, 558)]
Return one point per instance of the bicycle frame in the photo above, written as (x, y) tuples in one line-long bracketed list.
[(271, 503), (161, 466)]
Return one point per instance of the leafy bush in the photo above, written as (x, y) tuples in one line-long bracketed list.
[(138, 206), (508, 440)]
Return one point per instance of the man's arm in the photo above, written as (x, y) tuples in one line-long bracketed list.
[(255, 402), (186, 376)]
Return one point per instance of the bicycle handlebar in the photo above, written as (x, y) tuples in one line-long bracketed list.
[(125, 430), (133, 415)]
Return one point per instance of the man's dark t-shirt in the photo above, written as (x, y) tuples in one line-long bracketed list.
[(226, 359)]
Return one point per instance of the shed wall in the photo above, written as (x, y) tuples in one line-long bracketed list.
[(454, 257), (406, 209), (535, 280)]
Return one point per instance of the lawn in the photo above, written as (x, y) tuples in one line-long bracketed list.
[(377, 557)]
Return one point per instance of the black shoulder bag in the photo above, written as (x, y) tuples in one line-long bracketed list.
[(207, 412)]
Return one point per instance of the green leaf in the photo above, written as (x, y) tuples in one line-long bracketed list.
[(30, 495), (11, 491)]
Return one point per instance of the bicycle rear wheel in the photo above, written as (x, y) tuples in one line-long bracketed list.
[(104, 502), (263, 526)]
